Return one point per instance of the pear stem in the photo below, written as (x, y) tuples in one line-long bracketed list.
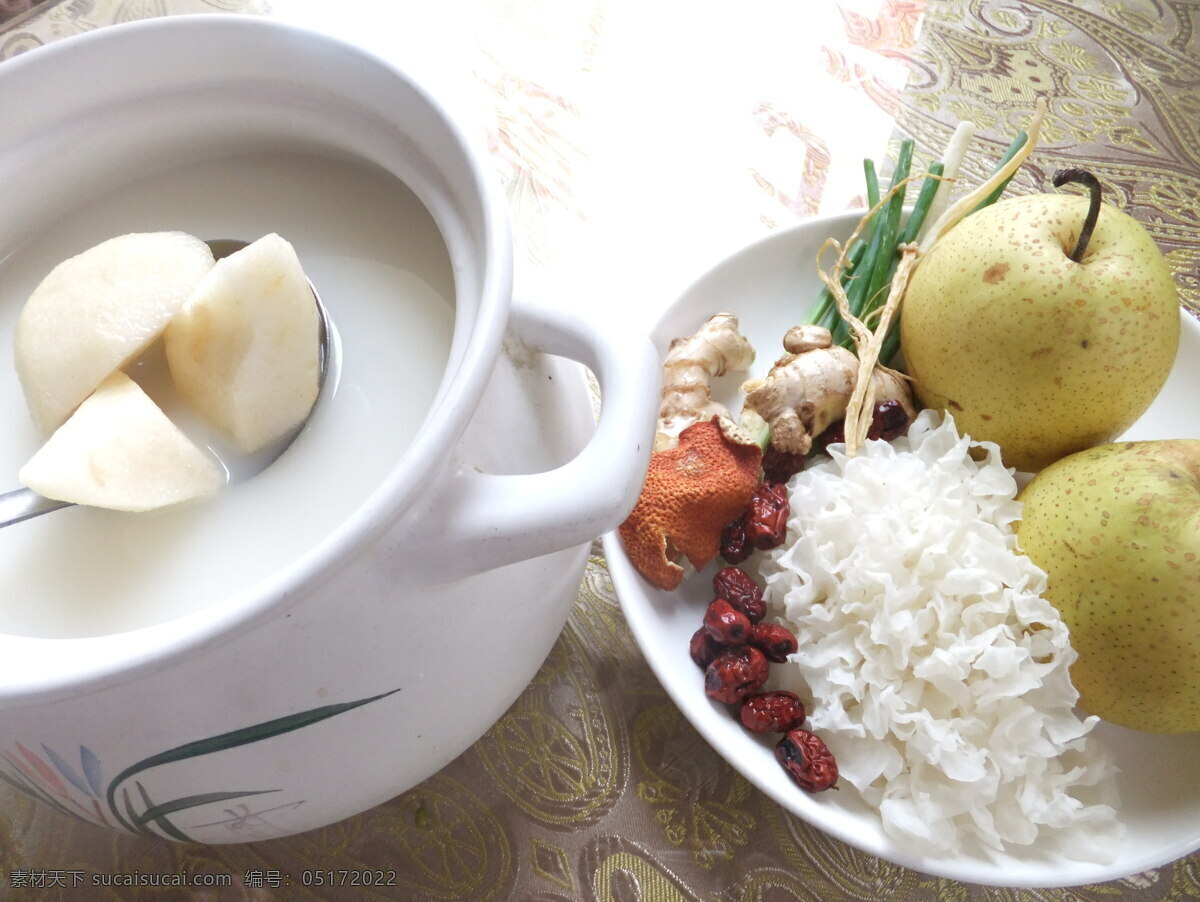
[(1082, 177)]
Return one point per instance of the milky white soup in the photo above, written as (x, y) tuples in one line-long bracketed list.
[(385, 277)]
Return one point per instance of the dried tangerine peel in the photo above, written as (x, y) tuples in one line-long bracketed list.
[(691, 492)]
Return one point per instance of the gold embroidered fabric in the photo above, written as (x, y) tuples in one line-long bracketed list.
[(593, 786)]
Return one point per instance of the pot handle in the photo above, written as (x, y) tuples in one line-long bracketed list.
[(486, 521)]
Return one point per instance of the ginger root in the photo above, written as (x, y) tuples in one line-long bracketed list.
[(715, 349), (809, 389), (704, 466)]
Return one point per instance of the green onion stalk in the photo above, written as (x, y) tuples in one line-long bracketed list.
[(871, 261)]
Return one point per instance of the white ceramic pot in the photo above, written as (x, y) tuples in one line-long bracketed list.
[(336, 629)]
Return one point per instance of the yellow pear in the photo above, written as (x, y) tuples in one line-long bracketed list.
[(98, 310), (119, 450), (1029, 348), (245, 349), (1117, 530)]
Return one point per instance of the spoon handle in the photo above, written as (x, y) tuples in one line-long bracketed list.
[(22, 504)]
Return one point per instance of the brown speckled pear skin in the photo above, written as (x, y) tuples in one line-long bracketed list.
[(1028, 349), (1117, 530)]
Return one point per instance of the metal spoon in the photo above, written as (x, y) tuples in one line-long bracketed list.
[(24, 503)]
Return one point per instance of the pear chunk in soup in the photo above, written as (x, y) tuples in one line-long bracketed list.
[(98, 310), (244, 350), (118, 450)]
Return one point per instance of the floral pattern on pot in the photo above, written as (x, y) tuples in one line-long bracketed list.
[(125, 802)]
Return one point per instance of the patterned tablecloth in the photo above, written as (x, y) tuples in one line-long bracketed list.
[(639, 142)]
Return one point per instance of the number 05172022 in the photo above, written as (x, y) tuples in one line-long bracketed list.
[(348, 877)]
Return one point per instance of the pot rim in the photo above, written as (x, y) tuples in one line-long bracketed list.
[(74, 666)]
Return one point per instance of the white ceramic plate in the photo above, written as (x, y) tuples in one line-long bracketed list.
[(770, 286)]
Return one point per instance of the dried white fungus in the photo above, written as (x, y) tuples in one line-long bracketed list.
[(936, 673)]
